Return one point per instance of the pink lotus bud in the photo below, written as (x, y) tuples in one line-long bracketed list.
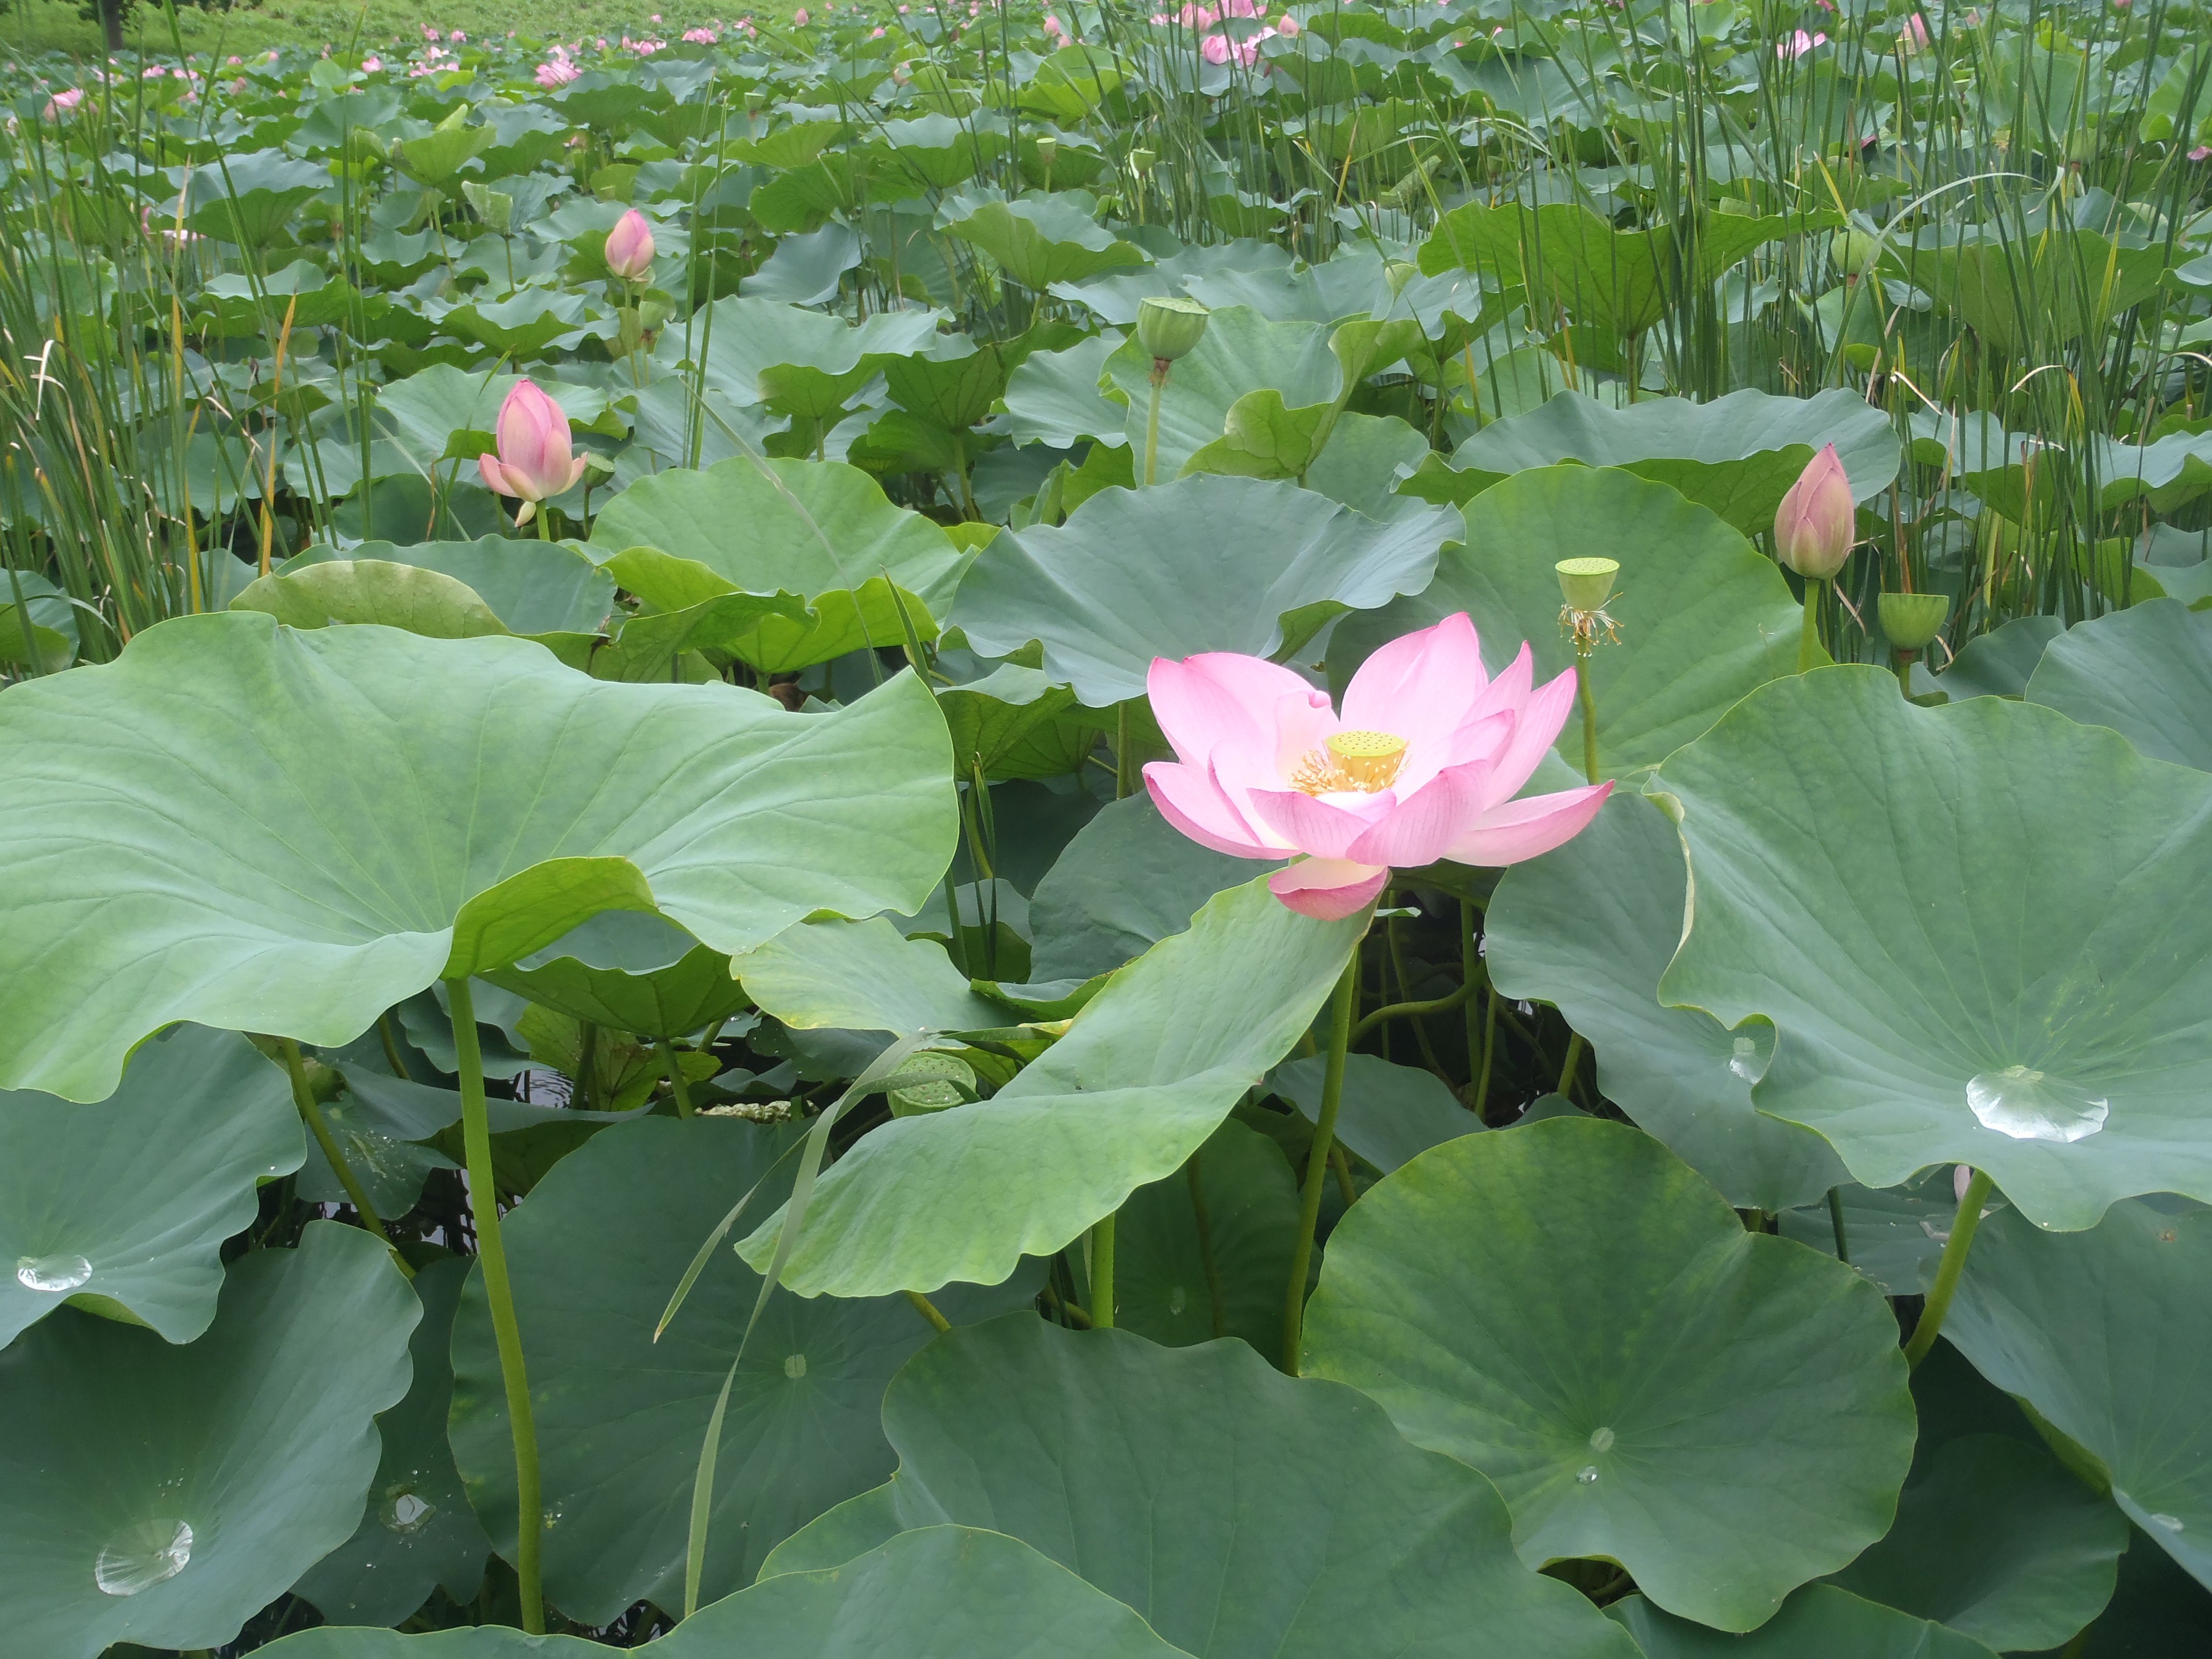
[(1215, 49), (535, 461), (1817, 522), (799, 18), (1913, 37), (630, 247), (2200, 152), (1962, 1176), (1289, 27)]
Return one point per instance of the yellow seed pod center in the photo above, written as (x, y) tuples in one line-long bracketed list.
[(1369, 760)]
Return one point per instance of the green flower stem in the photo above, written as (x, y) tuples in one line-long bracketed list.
[(319, 1126), (587, 1065), (1443, 1004), (1836, 1221), (1332, 1096), (927, 1309), (484, 1195), (1101, 1273), (1590, 706), (1809, 650), (1153, 424), (1572, 1062), (1949, 1269), (677, 1085)]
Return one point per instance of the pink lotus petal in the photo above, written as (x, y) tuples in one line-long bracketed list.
[(1417, 831), (1254, 709), (1322, 828), (1538, 727), (1527, 829), (1426, 681), (495, 474), (1187, 799), (1327, 890)]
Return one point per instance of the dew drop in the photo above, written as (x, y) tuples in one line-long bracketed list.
[(53, 1274), (2032, 1105), (142, 1556), (1177, 1300), (406, 1512), (1601, 1440), (2170, 1523), (1746, 1061), (1588, 1475), (795, 1367)]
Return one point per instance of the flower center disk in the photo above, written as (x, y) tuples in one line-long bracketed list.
[(1365, 761)]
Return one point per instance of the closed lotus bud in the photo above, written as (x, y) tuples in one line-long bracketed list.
[(1853, 249), (1587, 584), (1817, 522), (630, 247), (1912, 620), (535, 460), (1169, 328)]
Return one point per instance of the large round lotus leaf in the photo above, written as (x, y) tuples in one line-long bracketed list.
[(1590, 928), (1737, 455), (2145, 672), (1123, 581), (755, 350), (426, 602), (1996, 1539), (164, 1495), (1980, 931), (862, 976), (1241, 353), (819, 537), (123, 1207), (533, 587), (632, 970), (1819, 1622), (418, 1531), (1388, 1115), (1703, 616), (1244, 1513), (1143, 1077), (1127, 880), (2107, 1335), (1011, 723), (1723, 1413), (1039, 241), (1177, 1284), (247, 826), (484, 1642), (596, 1251), (1998, 664)]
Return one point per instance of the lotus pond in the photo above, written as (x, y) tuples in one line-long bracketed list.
[(955, 831)]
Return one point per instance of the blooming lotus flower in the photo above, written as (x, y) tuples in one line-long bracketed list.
[(1420, 764), (1288, 26), (372, 64), (1817, 522), (62, 103), (556, 73), (534, 461), (799, 18), (1799, 43)]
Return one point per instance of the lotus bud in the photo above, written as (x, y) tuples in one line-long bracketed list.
[(1912, 620), (534, 461), (1169, 328), (1587, 584), (1962, 1176), (630, 248), (1817, 522), (1854, 249)]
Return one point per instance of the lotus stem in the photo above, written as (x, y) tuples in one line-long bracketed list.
[(1332, 1096), (499, 1292), (1153, 424), (677, 1085), (319, 1126), (1572, 1062), (927, 1309), (1836, 1221), (1101, 1273), (1948, 1270), (1583, 644), (1808, 639)]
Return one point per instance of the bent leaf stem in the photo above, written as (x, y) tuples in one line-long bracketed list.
[(499, 1292), (1332, 1096), (1947, 1270), (319, 1126)]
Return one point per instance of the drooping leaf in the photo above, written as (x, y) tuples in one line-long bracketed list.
[(164, 1495), (862, 975), (1205, 1256), (2145, 672), (1978, 929), (1724, 1414), (1817, 1622), (536, 588), (1039, 241), (633, 971), (123, 1207), (393, 811)]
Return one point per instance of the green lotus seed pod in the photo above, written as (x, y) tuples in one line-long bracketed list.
[(1169, 328), (1912, 620), (1587, 584), (1853, 250), (1140, 161), (1048, 152)]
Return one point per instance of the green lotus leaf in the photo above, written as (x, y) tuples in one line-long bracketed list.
[(482, 1642), (405, 596), (1191, 1484), (164, 1495), (535, 588), (390, 1167), (1366, 458), (1240, 356), (2041, 1020), (1143, 1077), (1388, 1115), (448, 413), (757, 351), (122, 1208), (1179, 1281), (2158, 1608), (1705, 617), (1590, 928), (861, 976), (418, 1531), (1127, 880), (2106, 1334), (245, 825), (732, 540), (1723, 1413), (1054, 397), (595, 1251), (1735, 456), (1999, 664), (2016, 291), (1119, 583), (2145, 672), (1010, 724), (633, 971), (1893, 1234), (1039, 241), (1995, 1540), (1817, 1622)]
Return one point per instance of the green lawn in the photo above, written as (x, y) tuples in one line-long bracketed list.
[(35, 26)]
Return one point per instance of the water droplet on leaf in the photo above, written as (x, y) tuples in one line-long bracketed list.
[(2170, 1523), (1587, 1476), (52, 1274), (1177, 1300), (2032, 1105), (407, 1512), (142, 1556), (1746, 1061), (1601, 1439), (795, 1367)]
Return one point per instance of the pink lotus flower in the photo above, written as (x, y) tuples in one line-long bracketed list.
[(535, 462), (1818, 521), (700, 37), (1913, 37), (62, 103), (630, 248), (1288, 26), (1799, 43), (2200, 152), (799, 18), (372, 64), (1421, 765), (429, 33), (558, 72)]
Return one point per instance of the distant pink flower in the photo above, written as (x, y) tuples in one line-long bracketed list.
[(535, 461), (630, 247), (1288, 26), (62, 104), (1215, 49), (799, 18), (876, 33), (372, 64), (556, 72), (1053, 27), (1421, 765), (2200, 152), (234, 62), (458, 38), (1913, 37), (1799, 43), (429, 33), (700, 37)]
